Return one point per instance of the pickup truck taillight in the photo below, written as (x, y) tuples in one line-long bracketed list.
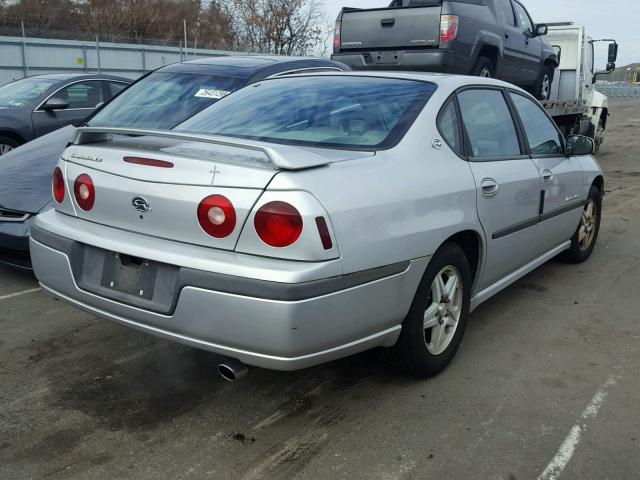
[(448, 28), (336, 37)]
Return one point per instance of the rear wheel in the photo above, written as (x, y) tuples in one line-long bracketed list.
[(542, 89), (584, 239), (7, 144), (433, 329), (483, 68)]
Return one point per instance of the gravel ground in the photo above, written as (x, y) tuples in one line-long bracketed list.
[(546, 385)]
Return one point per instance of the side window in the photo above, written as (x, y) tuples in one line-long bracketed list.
[(81, 95), (448, 126), (488, 124), (543, 137), (115, 88), (507, 11), (525, 20)]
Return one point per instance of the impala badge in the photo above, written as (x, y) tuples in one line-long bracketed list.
[(140, 204)]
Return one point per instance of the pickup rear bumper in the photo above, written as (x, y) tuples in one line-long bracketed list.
[(432, 60)]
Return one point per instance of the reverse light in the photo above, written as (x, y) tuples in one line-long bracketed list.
[(448, 28), (278, 224), (58, 185), (336, 37), (216, 216), (84, 192)]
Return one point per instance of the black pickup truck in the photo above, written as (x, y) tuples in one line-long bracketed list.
[(491, 38)]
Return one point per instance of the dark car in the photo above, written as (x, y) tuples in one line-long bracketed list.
[(34, 106), (160, 100), (487, 38)]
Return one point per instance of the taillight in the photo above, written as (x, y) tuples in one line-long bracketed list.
[(278, 224), (336, 37), (217, 216), (448, 28), (149, 162), (58, 185), (84, 192)]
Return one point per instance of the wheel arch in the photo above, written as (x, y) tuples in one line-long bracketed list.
[(12, 135), (492, 52), (598, 182), (473, 247)]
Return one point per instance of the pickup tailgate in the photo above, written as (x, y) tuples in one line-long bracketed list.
[(387, 28)]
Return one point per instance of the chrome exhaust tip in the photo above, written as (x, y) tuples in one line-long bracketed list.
[(232, 369)]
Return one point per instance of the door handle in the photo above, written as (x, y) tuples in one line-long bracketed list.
[(387, 22), (489, 187), (506, 34), (547, 176)]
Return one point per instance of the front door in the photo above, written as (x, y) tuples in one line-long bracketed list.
[(507, 183), (513, 51), (532, 47), (81, 97), (562, 181)]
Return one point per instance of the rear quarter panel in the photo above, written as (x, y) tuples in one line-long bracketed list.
[(401, 204)]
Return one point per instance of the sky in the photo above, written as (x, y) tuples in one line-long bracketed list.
[(618, 19)]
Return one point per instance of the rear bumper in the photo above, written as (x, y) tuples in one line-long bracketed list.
[(263, 330), (433, 60), (14, 243)]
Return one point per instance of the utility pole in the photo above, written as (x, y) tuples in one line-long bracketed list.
[(184, 24)]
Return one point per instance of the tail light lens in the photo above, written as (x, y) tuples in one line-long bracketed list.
[(336, 37), (58, 185), (448, 28), (278, 224), (84, 192), (217, 216)]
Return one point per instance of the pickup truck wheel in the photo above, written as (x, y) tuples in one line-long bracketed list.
[(432, 330), (543, 85), (584, 239), (483, 68), (7, 144)]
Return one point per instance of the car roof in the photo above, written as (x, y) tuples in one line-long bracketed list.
[(75, 76), (251, 66)]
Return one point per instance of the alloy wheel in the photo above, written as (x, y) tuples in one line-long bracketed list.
[(485, 72), (587, 229), (4, 148), (545, 90), (444, 307)]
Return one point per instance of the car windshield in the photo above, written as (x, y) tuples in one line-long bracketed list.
[(21, 92), (324, 111), (163, 100)]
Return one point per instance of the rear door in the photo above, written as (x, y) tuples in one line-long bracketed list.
[(82, 97), (507, 181), (561, 176), (391, 28)]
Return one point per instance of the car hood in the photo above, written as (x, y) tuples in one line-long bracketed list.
[(25, 173)]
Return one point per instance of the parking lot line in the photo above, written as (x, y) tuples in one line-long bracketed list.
[(17, 294), (568, 447)]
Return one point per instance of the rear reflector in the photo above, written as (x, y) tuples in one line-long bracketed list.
[(150, 162), (448, 28), (217, 216), (84, 192), (58, 185), (323, 230), (278, 224)]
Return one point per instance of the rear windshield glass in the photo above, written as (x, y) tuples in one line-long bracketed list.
[(324, 111), (21, 92), (163, 100)]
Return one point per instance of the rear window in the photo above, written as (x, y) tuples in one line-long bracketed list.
[(325, 111), (163, 100)]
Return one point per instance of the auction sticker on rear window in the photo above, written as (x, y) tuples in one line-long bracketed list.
[(211, 93)]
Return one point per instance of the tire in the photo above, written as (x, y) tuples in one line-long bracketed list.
[(7, 144), (542, 90), (417, 350), (581, 248), (483, 68), (597, 134)]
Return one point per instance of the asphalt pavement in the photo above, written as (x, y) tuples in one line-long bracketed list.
[(546, 384)]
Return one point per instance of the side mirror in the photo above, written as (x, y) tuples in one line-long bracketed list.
[(613, 54), (55, 104), (580, 145), (542, 29)]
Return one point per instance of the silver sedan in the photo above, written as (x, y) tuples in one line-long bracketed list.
[(303, 219)]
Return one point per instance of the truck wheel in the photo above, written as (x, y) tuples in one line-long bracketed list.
[(597, 134), (483, 68), (542, 89), (7, 144), (433, 328)]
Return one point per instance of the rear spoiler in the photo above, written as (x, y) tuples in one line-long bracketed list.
[(282, 157)]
